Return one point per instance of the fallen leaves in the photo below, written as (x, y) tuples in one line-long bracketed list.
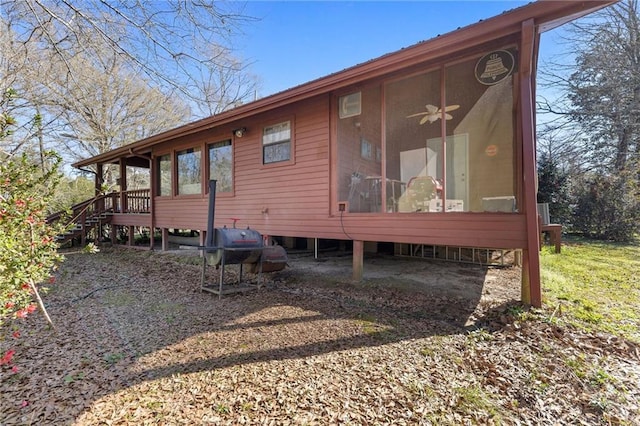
[(140, 344)]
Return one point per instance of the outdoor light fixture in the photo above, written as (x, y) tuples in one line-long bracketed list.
[(240, 132)]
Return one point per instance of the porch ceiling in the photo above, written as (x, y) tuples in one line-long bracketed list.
[(131, 161)]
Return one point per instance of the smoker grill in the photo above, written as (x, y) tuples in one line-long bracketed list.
[(272, 258), (235, 246), (240, 246)]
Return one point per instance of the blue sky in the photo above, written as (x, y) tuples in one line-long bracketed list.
[(294, 42)]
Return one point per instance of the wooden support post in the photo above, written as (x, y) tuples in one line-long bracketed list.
[(531, 285), (98, 187), (152, 236), (83, 232), (555, 235), (113, 234), (123, 186), (202, 240), (358, 260), (517, 258), (131, 240), (525, 283), (165, 239), (152, 195)]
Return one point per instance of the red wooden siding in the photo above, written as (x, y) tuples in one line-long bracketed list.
[(293, 199), (121, 219), (286, 193)]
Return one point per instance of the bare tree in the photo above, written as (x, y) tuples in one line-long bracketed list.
[(182, 46), (103, 74), (14, 63), (596, 131), (109, 107), (88, 104), (598, 110), (223, 87)]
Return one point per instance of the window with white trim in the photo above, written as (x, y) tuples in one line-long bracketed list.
[(276, 143)]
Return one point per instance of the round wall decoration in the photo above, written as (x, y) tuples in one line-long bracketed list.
[(491, 150), (494, 67)]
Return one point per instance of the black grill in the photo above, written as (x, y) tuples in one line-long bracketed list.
[(236, 245)]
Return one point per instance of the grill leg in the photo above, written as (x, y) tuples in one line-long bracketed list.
[(204, 271), (221, 276)]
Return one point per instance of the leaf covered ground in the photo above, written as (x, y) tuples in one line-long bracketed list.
[(416, 343)]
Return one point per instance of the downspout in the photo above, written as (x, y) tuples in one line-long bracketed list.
[(531, 287)]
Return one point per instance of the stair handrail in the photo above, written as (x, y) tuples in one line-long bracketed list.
[(79, 209)]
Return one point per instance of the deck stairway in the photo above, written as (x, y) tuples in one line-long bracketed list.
[(92, 214), (83, 218), (79, 229)]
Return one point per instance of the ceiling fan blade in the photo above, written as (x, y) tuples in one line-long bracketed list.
[(451, 108), (448, 116), (428, 118), (418, 114), (432, 109)]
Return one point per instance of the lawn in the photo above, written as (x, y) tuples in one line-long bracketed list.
[(139, 343), (595, 286)]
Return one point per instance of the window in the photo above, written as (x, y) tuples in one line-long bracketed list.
[(480, 166), (164, 175), (221, 165), (276, 143), (359, 147), (411, 121), (189, 176)]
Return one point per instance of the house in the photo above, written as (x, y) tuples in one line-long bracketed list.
[(433, 144)]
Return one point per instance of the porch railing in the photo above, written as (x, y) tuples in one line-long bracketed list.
[(80, 218), (134, 201)]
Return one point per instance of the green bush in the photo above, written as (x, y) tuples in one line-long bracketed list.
[(553, 188), (607, 207)]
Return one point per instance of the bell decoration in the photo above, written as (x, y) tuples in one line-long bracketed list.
[(494, 67)]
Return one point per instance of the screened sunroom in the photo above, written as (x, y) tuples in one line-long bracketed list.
[(438, 140)]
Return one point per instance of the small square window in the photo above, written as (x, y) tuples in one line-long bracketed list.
[(350, 105), (276, 143)]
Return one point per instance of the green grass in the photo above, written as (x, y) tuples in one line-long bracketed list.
[(596, 285), (474, 398)]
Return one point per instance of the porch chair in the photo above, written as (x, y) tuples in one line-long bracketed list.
[(553, 229), (420, 191)]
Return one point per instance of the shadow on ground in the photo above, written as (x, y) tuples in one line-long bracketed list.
[(127, 317)]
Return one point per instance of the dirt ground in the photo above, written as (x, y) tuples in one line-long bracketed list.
[(453, 279), (416, 342), (472, 288)]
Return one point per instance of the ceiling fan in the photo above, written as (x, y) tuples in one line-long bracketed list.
[(433, 113)]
